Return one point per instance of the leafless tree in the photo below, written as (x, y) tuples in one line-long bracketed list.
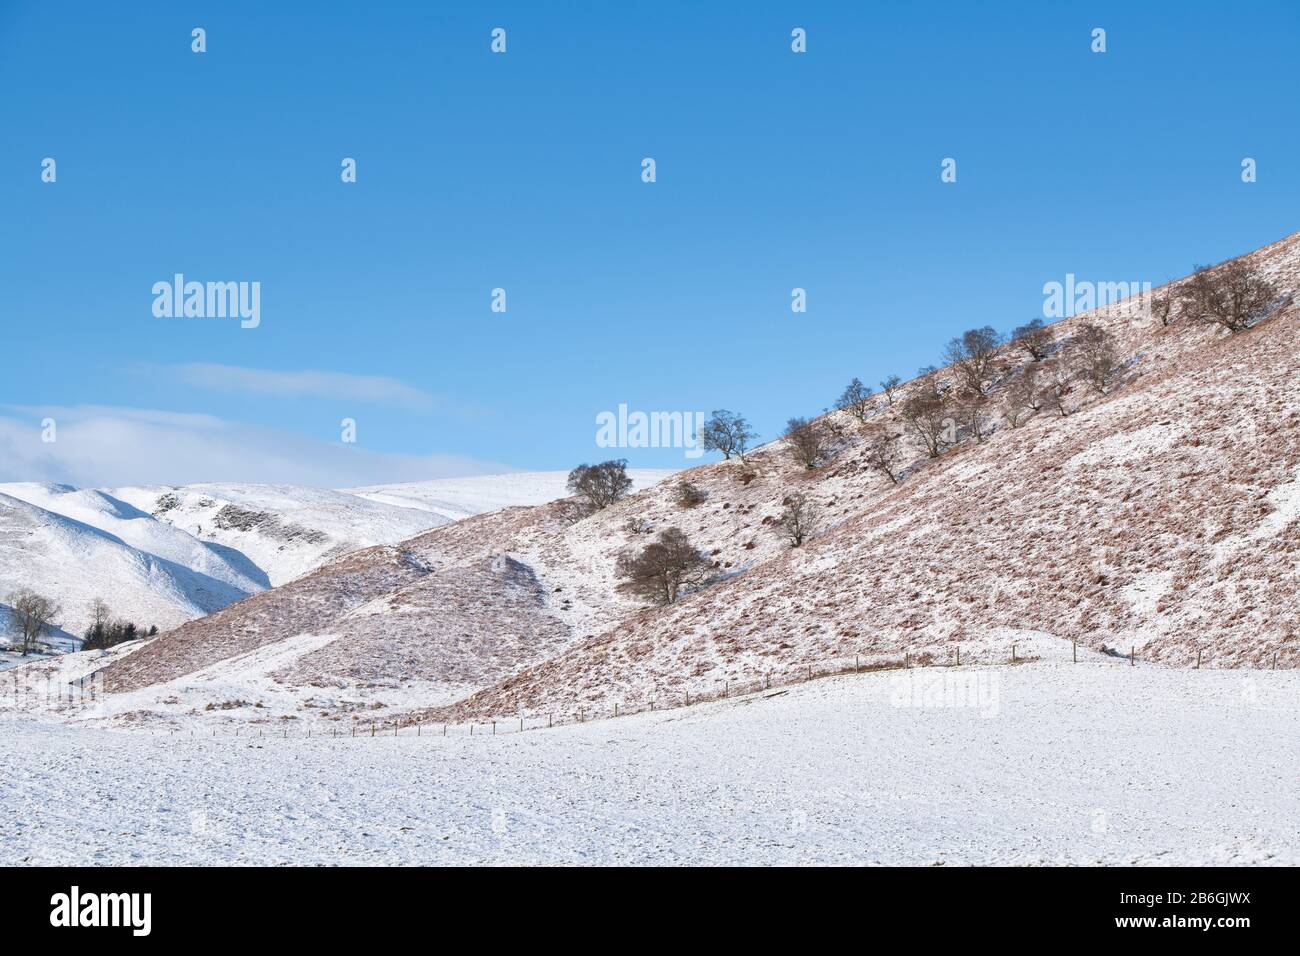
[(1093, 355), (1162, 307), (1020, 397), (882, 450), (889, 385), (972, 357), (809, 441), (929, 414), (599, 486), (856, 399), (971, 411), (1232, 295), (728, 433), (797, 520), (1056, 379), (664, 568), (1033, 338), (31, 615), (689, 494)]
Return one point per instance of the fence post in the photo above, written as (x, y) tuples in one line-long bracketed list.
[(550, 720), (615, 708), (1074, 651), (959, 655), (521, 725), (372, 728), (1132, 656), (1198, 658), (1013, 653)]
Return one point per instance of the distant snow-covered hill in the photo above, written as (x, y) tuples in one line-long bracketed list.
[(163, 555)]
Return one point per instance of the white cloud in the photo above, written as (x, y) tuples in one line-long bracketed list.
[(306, 383), (110, 446)]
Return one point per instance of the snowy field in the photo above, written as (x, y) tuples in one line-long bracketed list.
[(1042, 763)]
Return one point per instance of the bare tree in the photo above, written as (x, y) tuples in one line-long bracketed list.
[(1162, 307), (599, 486), (809, 441), (689, 494), (1056, 385), (882, 450), (1093, 356), (31, 615), (889, 385), (1020, 398), (1033, 338), (797, 520), (972, 357), (728, 433), (971, 411), (1232, 295), (929, 415), (664, 568), (856, 399)]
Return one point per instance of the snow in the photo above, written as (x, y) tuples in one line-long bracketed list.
[(457, 498), (1046, 763)]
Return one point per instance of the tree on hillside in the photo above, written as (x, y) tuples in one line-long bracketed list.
[(1033, 338), (1162, 307), (1232, 295), (599, 486), (1056, 379), (889, 385), (664, 568), (689, 494), (797, 520), (882, 450), (728, 433), (1093, 356), (856, 399), (929, 414), (31, 615), (809, 441), (972, 357), (1020, 398), (970, 408)]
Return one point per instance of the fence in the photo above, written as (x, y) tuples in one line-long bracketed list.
[(36, 688)]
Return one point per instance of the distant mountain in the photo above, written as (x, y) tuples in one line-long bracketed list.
[(164, 555)]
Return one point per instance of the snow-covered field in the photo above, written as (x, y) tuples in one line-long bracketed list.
[(1047, 763)]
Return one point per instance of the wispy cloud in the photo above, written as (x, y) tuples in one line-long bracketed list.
[(305, 383), (105, 446)]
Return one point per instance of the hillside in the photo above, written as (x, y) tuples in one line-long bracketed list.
[(1162, 517), (1158, 515), (164, 555)]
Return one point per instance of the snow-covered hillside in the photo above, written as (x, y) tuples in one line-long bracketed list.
[(164, 555), (1094, 763)]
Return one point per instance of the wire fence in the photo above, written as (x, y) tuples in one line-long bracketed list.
[(26, 689)]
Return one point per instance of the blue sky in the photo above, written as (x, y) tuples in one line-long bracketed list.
[(522, 171)]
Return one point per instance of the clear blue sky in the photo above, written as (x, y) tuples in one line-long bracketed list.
[(522, 171)]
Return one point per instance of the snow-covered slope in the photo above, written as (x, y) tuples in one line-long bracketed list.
[(1052, 763), (285, 530), (74, 562), (165, 555)]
